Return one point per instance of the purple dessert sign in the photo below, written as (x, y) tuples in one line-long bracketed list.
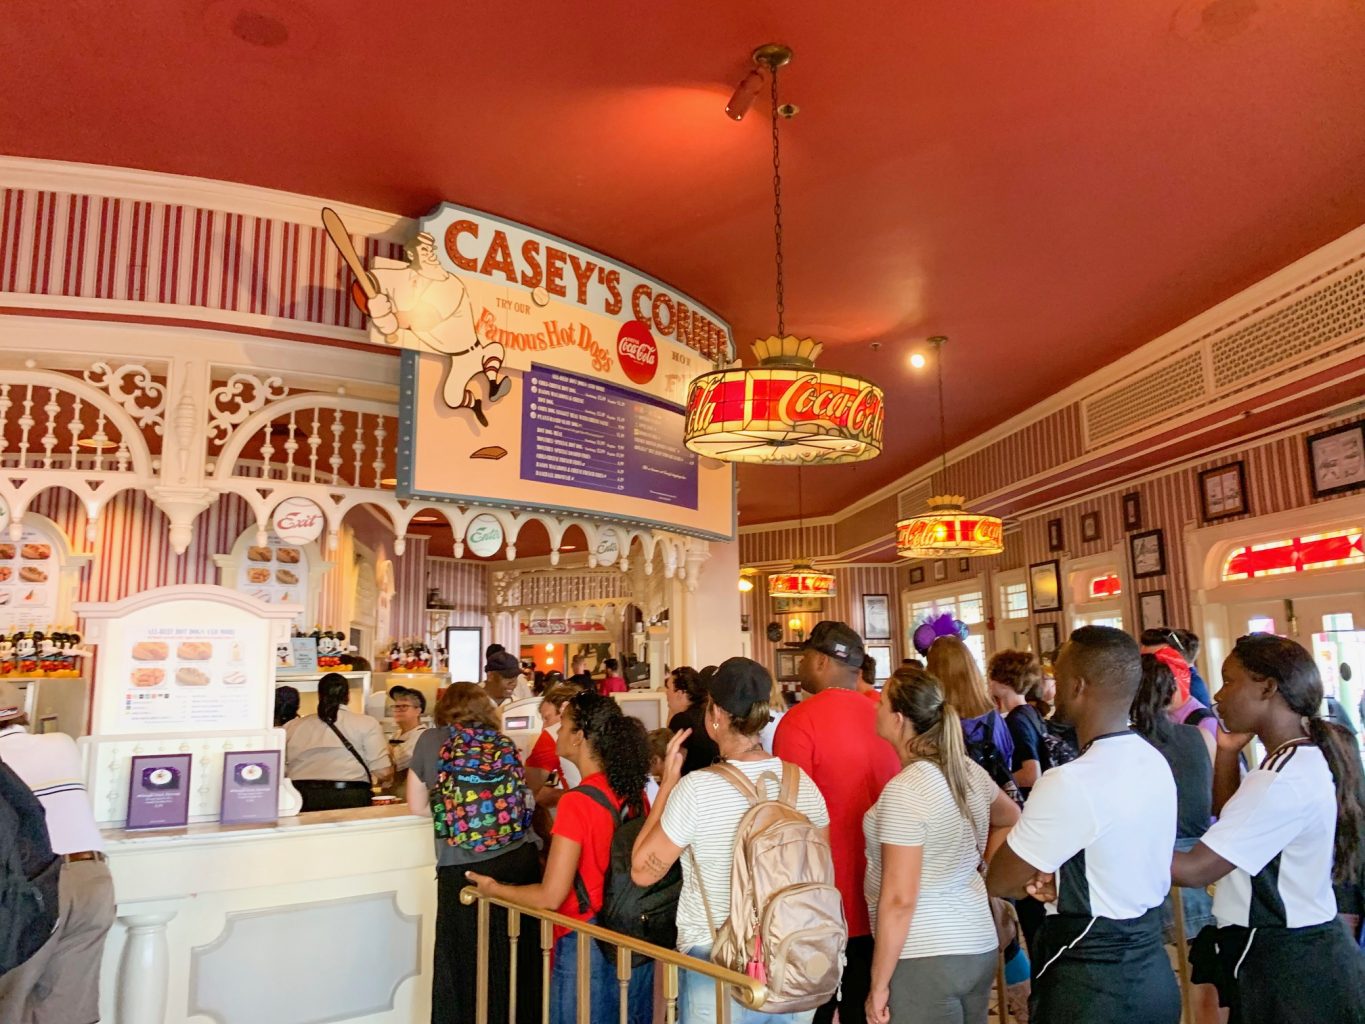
[(251, 787), (159, 791)]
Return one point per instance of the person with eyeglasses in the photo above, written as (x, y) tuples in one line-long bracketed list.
[(1285, 833), (408, 708)]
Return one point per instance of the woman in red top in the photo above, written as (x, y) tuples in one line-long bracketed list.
[(613, 681), (612, 753), (543, 761)]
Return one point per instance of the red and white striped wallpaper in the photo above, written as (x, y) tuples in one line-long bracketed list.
[(56, 243)]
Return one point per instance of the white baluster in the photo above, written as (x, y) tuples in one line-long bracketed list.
[(290, 447), (5, 405), (75, 431), (314, 439), (334, 460), (379, 434), (25, 425), (51, 408), (267, 450), (144, 969)]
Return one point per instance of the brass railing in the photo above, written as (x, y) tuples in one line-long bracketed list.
[(748, 991)]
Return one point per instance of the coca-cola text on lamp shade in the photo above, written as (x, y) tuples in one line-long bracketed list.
[(947, 530), (784, 410), (801, 580)]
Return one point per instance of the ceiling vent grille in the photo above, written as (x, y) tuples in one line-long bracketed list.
[(1288, 335), (1153, 395), (914, 499)]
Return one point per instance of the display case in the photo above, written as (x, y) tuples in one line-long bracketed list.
[(55, 705)]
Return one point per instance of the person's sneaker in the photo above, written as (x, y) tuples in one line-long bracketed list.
[(499, 390), (477, 408)]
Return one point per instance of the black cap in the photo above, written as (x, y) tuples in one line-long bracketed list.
[(738, 684), (503, 663), (838, 640)]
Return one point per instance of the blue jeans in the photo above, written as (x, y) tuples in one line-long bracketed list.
[(606, 999), (697, 1000)]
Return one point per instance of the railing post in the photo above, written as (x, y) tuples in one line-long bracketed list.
[(514, 948), (1182, 954), (670, 994), (623, 971), (481, 960), (547, 945), (1001, 991), (584, 978)]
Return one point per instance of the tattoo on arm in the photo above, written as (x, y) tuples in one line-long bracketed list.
[(655, 866)]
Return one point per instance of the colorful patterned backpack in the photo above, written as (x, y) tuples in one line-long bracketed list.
[(480, 801)]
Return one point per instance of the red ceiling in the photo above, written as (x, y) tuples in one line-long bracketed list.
[(1049, 184)]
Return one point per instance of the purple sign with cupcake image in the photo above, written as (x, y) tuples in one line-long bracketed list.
[(159, 791)]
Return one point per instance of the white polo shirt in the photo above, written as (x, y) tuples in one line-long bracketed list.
[(1105, 823), (50, 765), (1278, 830)]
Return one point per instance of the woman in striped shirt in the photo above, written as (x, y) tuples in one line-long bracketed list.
[(927, 836)]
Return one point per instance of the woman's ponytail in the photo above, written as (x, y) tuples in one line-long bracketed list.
[(1343, 758), (334, 690), (918, 696)]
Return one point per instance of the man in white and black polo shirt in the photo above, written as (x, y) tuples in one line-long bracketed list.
[(1095, 839), (59, 984)]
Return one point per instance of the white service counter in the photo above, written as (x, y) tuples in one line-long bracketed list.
[(326, 916)]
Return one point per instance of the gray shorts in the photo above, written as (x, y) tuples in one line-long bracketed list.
[(943, 989)]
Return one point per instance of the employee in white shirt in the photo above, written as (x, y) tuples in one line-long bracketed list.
[(503, 679), (1284, 834), (1094, 838), (335, 757), (61, 982), (408, 708)]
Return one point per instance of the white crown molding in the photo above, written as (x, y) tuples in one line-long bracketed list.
[(178, 189), (1266, 293)]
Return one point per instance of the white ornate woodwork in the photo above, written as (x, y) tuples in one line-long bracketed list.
[(144, 968)]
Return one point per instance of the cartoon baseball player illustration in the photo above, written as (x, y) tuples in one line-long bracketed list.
[(422, 297)]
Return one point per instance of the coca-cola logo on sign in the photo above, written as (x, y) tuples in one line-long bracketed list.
[(638, 351), (297, 521)]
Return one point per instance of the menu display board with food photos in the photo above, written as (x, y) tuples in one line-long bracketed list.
[(187, 676), (275, 572), (29, 572)]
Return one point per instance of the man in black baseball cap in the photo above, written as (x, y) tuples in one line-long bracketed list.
[(832, 735), (502, 678)]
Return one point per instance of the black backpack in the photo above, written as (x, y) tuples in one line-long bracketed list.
[(646, 912), (984, 752), (28, 873)]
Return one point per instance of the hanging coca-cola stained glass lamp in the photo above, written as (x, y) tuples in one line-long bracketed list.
[(783, 411), (947, 529)]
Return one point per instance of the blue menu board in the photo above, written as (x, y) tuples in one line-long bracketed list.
[(581, 432)]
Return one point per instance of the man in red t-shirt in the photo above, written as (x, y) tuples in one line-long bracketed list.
[(832, 735)]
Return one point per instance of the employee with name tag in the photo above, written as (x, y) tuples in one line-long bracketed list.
[(60, 983), (1094, 842)]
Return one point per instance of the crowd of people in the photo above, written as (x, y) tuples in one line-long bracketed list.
[(1039, 812)]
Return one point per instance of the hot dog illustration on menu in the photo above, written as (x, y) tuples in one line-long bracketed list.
[(28, 582), (179, 675)]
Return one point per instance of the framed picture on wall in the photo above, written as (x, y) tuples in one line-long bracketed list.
[(876, 617), (964, 565), (1054, 535), (1149, 554), (881, 654), (744, 622), (1132, 511), (1336, 459), (1048, 639), (940, 570), (1152, 609), (1045, 586), (916, 575), (1223, 492), (1090, 527)]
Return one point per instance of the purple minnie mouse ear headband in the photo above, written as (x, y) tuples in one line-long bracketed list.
[(931, 629)]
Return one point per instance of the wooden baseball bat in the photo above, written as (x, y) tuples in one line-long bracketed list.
[(342, 241)]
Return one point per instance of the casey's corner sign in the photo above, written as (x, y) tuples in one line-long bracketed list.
[(492, 294)]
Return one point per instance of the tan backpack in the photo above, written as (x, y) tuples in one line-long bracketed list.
[(786, 926)]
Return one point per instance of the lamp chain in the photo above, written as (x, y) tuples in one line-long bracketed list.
[(942, 422), (777, 212)]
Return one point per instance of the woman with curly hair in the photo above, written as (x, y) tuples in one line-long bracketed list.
[(1284, 834), (612, 753)]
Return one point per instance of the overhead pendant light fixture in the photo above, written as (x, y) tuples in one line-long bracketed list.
[(802, 579), (784, 410), (948, 530)]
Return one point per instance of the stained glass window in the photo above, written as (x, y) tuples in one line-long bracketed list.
[(1296, 554)]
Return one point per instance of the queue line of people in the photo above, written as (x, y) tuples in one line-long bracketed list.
[(1118, 803)]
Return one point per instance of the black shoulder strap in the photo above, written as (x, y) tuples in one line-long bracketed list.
[(603, 801), (1198, 715), (347, 744)]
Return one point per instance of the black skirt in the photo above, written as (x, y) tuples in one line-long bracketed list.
[(1313, 975), (1100, 971)]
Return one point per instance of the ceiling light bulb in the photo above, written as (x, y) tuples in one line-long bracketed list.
[(388, 481), (549, 647), (917, 360), (745, 584)]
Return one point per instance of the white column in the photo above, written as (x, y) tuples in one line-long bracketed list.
[(144, 969), (712, 622)]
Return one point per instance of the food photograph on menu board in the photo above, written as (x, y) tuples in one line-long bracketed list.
[(275, 572), (28, 581), (184, 676), (550, 372)]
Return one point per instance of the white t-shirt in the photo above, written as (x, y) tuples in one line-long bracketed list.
[(1278, 829), (703, 812), (1105, 823), (50, 765), (401, 747), (952, 911), (766, 735)]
